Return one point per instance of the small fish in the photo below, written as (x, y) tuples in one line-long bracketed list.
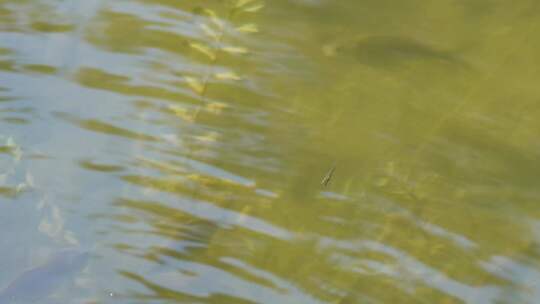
[(40, 282), (326, 180), (392, 51)]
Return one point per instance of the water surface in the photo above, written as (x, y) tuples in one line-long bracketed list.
[(187, 143)]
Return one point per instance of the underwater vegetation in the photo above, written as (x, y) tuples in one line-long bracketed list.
[(217, 29), (218, 50)]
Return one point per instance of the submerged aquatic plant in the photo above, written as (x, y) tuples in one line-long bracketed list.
[(215, 31), (40, 282), (220, 31)]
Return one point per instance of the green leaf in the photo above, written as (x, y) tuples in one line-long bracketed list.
[(203, 49), (195, 84), (248, 28), (183, 113), (214, 18), (209, 32), (237, 50), (254, 8), (216, 107), (227, 76), (240, 3)]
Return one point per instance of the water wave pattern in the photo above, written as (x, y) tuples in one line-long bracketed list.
[(186, 142)]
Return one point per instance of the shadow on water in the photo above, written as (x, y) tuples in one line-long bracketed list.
[(40, 282)]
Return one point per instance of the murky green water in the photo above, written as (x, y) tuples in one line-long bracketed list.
[(184, 144)]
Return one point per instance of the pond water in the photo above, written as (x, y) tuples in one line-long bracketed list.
[(293, 151)]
